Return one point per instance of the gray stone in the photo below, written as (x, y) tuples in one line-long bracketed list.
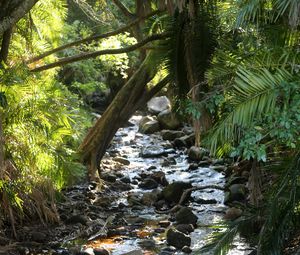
[(168, 120), (148, 183), (147, 244), (159, 177), (153, 151), (150, 198), (101, 251), (186, 216), (171, 134), (186, 249), (150, 127), (237, 192), (122, 160), (233, 213), (108, 177), (185, 228), (185, 141), (158, 104), (197, 153), (177, 239), (174, 191), (144, 120)]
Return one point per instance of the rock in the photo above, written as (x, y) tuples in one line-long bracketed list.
[(219, 168), (204, 163), (101, 251), (159, 177), (169, 162), (148, 183), (186, 249), (134, 199), (144, 120), (237, 192), (185, 141), (158, 104), (235, 180), (38, 236), (121, 160), (108, 177), (125, 179), (150, 127), (153, 151), (197, 153), (164, 223), (177, 239), (193, 166), (133, 252), (185, 228), (168, 120), (186, 216), (88, 251), (150, 197), (148, 244), (233, 213), (206, 201), (174, 191), (171, 134), (75, 219), (120, 186)]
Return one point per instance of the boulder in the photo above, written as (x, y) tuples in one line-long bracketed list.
[(158, 104), (173, 192), (185, 228), (197, 153), (149, 198), (145, 119), (108, 177), (186, 216), (171, 134), (122, 160), (148, 183), (237, 192), (150, 127), (233, 213), (185, 141), (177, 239), (153, 151), (159, 177), (168, 120), (101, 251), (133, 252)]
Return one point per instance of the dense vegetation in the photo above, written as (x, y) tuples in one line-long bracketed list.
[(232, 66)]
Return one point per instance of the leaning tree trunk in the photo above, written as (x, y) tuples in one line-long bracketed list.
[(125, 103)]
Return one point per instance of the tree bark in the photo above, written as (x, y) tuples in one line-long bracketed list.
[(14, 16), (131, 96), (5, 45)]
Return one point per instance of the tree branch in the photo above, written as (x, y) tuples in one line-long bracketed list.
[(94, 54), (123, 9), (92, 38), (19, 12)]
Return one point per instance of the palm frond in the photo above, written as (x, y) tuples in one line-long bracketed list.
[(253, 94)]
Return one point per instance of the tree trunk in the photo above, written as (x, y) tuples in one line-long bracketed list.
[(125, 103), (5, 45)]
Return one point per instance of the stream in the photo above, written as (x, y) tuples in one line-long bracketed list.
[(120, 217)]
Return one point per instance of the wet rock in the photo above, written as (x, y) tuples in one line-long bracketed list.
[(197, 153), (204, 163), (147, 244), (75, 219), (148, 183), (122, 160), (101, 251), (233, 213), (150, 127), (158, 104), (185, 141), (237, 192), (168, 120), (153, 151), (159, 230), (149, 198), (151, 168), (133, 252), (219, 168), (125, 179), (159, 177), (174, 191), (88, 251), (206, 201), (186, 216), (171, 134), (134, 199), (143, 121), (164, 223), (193, 166), (185, 228), (169, 162), (108, 177), (177, 239), (120, 186), (186, 249)]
